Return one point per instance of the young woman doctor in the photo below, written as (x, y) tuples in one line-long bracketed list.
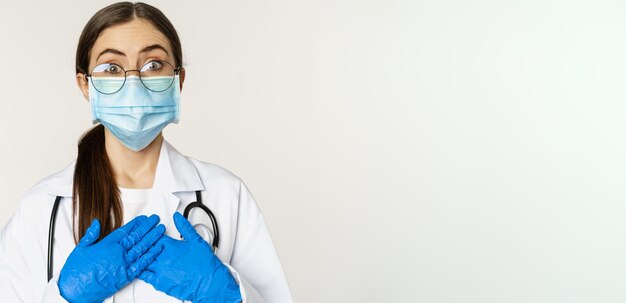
[(128, 66)]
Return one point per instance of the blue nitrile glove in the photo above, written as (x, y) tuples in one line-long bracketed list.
[(189, 270), (95, 271)]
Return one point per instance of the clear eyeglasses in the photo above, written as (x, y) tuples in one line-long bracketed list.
[(156, 75)]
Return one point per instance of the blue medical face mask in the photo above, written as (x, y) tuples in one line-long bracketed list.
[(135, 115)]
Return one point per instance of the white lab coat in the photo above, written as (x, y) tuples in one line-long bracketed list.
[(245, 243)]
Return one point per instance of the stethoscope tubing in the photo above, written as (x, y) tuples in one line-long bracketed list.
[(53, 221), (198, 203)]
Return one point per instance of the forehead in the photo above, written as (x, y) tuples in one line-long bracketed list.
[(129, 38)]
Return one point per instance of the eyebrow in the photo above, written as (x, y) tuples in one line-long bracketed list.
[(144, 50)]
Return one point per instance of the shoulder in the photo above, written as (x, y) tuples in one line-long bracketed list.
[(33, 211), (48, 188), (215, 175), (209, 174), (216, 178)]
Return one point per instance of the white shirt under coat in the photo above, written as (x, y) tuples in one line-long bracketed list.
[(245, 243)]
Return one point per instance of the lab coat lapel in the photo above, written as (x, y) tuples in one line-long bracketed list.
[(174, 174)]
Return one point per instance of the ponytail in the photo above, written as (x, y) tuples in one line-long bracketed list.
[(95, 186)]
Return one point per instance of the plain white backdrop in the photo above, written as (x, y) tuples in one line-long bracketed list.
[(414, 151)]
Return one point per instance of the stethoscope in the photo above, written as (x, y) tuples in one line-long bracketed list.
[(202, 229)]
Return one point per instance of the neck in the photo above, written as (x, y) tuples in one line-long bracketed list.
[(133, 169)]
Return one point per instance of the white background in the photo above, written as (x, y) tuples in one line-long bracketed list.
[(414, 151)]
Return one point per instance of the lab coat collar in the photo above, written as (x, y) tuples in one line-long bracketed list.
[(174, 173), (60, 184)]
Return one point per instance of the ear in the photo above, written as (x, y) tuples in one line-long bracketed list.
[(181, 77), (83, 84)]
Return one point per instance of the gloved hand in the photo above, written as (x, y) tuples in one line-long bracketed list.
[(95, 271), (189, 270)]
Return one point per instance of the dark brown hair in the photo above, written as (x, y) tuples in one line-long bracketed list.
[(94, 184)]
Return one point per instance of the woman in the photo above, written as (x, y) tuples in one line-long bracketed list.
[(103, 247)]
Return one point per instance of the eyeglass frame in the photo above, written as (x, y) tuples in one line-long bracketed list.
[(176, 72)]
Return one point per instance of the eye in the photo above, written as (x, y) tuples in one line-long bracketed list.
[(152, 66), (108, 69), (113, 69)]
